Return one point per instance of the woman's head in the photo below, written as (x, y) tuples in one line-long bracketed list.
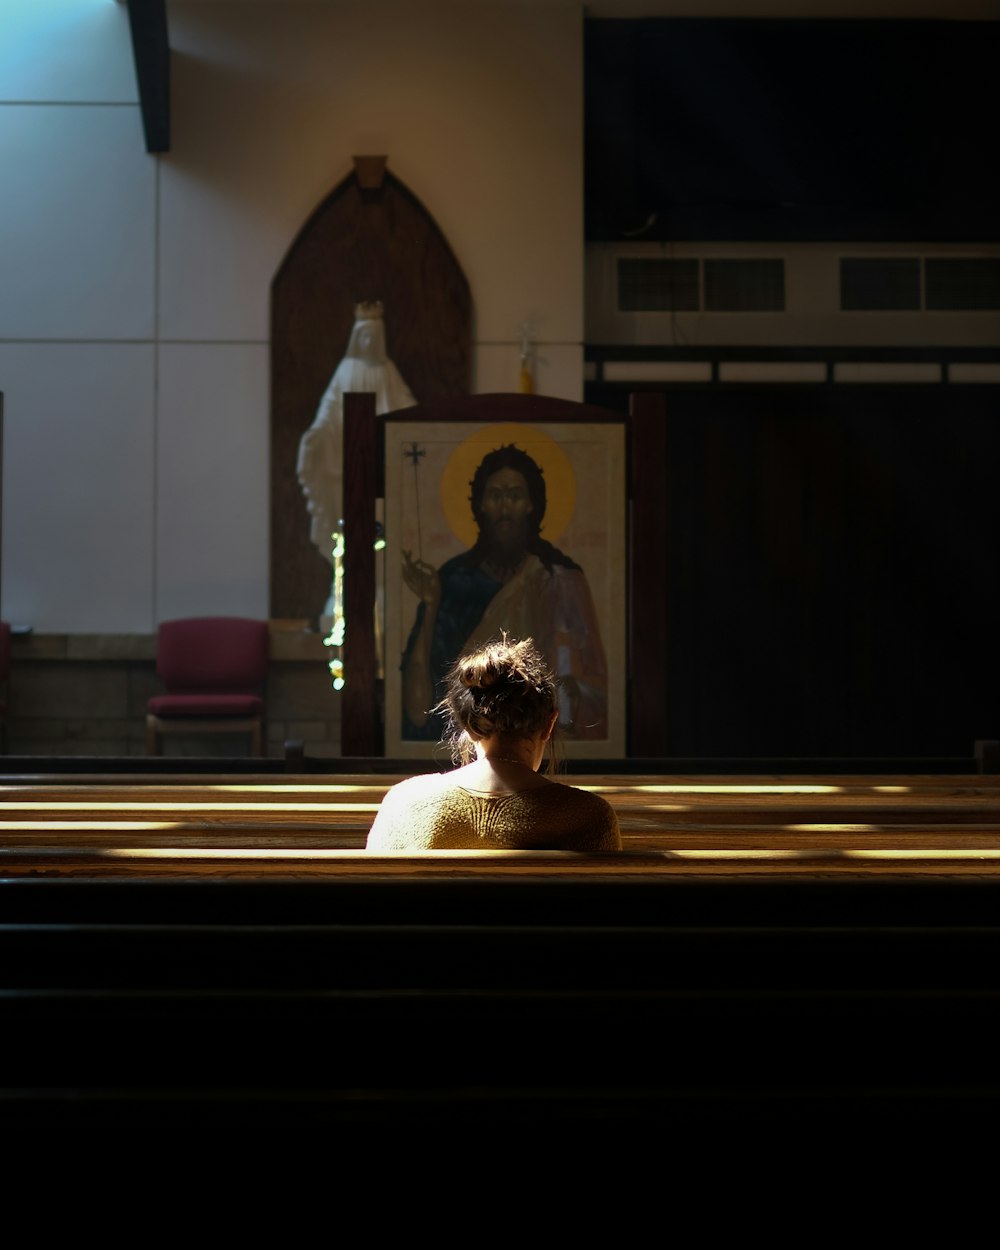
[(503, 688)]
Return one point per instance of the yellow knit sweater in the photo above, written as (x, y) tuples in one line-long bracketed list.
[(432, 812)]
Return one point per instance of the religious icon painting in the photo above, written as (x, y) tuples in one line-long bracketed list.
[(513, 527)]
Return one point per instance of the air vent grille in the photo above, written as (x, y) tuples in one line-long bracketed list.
[(963, 284), (744, 285), (670, 285), (657, 285), (880, 283)]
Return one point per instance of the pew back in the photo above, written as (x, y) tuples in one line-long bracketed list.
[(669, 824), (776, 963)]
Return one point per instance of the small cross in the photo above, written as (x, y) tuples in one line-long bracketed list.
[(414, 452)]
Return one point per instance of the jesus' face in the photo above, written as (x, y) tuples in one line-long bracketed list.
[(506, 508)]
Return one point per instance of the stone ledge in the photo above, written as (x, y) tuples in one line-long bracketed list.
[(88, 647), (289, 643)]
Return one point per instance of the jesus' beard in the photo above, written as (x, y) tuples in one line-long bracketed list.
[(504, 554)]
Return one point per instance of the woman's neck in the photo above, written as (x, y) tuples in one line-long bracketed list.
[(503, 770), (522, 752)]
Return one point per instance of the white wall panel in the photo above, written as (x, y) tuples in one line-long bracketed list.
[(66, 50), (126, 504), (557, 369), (478, 108), (212, 481), (77, 217), (77, 468)]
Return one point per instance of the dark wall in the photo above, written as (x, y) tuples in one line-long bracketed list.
[(832, 570), (791, 129)]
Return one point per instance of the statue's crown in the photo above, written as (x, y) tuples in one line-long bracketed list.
[(366, 310)]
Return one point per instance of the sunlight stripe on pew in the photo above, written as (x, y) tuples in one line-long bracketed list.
[(685, 788), (59, 826), (716, 856), (149, 806), (332, 787), (889, 853), (143, 852), (902, 853), (837, 828)]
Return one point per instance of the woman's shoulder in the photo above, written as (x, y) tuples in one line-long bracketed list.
[(578, 802), (417, 787), (406, 815), (570, 793), (587, 819)]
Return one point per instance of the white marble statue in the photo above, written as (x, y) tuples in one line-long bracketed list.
[(365, 367)]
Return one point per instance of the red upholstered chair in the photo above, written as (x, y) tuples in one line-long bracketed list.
[(4, 671), (213, 669)]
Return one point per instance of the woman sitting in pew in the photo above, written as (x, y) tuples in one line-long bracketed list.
[(500, 713)]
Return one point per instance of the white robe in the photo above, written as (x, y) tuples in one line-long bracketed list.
[(320, 467)]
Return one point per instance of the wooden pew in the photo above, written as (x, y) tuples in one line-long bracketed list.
[(797, 967), (829, 1016), (240, 978), (779, 825)]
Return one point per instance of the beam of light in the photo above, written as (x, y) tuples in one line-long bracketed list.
[(238, 852), (657, 788), (335, 787), (347, 853), (252, 788), (789, 855), (982, 853), (243, 788), (80, 806), (59, 826), (838, 828), (763, 856), (833, 853), (894, 830)]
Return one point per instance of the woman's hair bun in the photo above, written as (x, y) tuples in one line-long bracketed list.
[(503, 686)]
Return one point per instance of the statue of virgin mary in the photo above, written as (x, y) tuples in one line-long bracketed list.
[(365, 367)]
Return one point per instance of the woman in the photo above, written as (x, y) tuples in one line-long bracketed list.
[(501, 709)]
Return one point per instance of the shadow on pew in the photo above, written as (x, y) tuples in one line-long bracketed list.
[(800, 1017)]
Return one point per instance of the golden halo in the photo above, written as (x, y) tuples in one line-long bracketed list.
[(456, 480)]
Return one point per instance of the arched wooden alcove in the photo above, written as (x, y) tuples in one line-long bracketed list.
[(370, 239)]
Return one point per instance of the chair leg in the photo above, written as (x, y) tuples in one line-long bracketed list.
[(152, 737)]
